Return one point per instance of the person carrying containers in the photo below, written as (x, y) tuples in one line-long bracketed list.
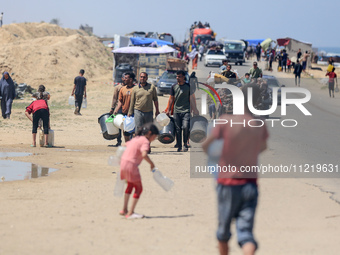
[(183, 97), (114, 104), (124, 99), (79, 91), (141, 100)]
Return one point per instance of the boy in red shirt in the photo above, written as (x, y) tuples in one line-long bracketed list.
[(236, 190), (40, 110), (332, 77)]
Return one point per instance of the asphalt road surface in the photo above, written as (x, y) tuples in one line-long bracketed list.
[(311, 146)]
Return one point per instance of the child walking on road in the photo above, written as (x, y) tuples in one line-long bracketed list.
[(136, 150)]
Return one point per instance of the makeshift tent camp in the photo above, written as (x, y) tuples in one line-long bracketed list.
[(292, 46)]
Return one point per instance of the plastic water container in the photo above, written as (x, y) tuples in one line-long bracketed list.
[(84, 104), (163, 181), (129, 124), (41, 137), (120, 151), (163, 119), (71, 100), (113, 161), (118, 121), (50, 140), (111, 129), (119, 187)]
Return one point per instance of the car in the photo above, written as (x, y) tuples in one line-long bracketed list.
[(214, 57), (234, 51), (168, 79), (274, 83)]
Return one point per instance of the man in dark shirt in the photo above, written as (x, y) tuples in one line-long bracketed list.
[(183, 97), (79, 90), (258, 51), (299, 54)]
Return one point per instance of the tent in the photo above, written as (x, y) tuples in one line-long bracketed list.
[(292, 46), (147, 41), (254, 42)]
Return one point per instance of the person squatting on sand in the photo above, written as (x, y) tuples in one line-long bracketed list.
[(40, 110), (136, 150), (237, 192)]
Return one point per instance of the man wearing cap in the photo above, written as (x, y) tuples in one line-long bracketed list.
[(79, 90), (255, 72)]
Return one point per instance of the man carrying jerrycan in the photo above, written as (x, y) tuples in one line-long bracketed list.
[(124, 99), (79, 90), (183, 96)]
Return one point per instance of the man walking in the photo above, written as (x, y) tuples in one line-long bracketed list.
[(201, 51), (114, 104), (79, 90), (258, 51), (237, 191), (297, 72), (141, 102), (183, 97), (124, 99)]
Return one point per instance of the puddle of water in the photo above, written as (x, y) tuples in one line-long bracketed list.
[(14, 154), (16, 170)]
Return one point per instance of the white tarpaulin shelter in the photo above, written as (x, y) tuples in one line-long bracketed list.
[(144, 50)]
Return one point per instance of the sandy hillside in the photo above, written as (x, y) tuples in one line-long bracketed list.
[(41, 53)]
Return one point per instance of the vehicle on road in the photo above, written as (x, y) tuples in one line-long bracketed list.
[(234, 51), (168, 79), (214, 57), (166, 37), (273, 83)]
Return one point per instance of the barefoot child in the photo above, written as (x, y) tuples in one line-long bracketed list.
[(136, 150), (40, 110)]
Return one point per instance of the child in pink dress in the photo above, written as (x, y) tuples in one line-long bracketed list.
[(136, 150)]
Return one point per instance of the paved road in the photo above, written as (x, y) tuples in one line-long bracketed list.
[(315, 140)]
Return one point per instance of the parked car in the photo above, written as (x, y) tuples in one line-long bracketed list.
[(168, 79), (214, 57), (274, 83)]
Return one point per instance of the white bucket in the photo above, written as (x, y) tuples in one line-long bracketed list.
[(111, 129), (118, 121), (163, 119)]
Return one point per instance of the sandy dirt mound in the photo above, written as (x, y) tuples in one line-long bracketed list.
[(41, 53)]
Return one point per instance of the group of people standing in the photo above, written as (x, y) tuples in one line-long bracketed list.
[(140, 100)]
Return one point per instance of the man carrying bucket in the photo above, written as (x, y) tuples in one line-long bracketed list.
[(124, 99), (183, 96), (114, 105)]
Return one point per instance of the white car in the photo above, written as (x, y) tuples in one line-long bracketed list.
[(214, 57)]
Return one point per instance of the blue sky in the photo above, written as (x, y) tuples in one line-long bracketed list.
[(243, 19)]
